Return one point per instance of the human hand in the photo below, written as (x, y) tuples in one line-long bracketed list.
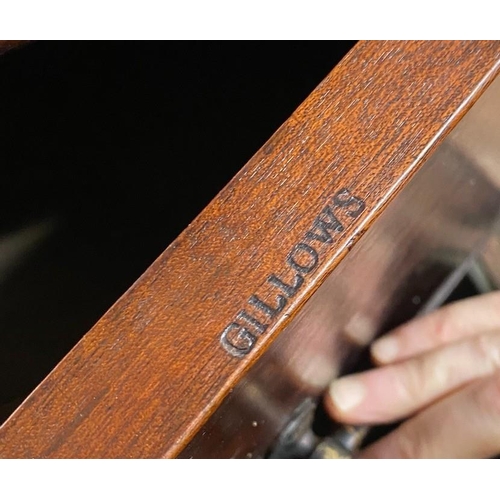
[(443, 372)]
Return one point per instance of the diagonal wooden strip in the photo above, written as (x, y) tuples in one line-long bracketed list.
[(152, 370), (6, 45)]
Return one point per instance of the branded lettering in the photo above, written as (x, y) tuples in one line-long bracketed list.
[(241, 335)]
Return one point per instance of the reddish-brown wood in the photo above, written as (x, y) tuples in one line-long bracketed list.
[(6, 45), (152, 370)]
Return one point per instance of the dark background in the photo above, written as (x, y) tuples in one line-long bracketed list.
[(117, 147)]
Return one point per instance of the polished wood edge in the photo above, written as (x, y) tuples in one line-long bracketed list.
[(153, 370), (6, 45), (335, 259)]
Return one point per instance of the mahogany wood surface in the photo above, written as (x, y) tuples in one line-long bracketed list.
[(153, 370)]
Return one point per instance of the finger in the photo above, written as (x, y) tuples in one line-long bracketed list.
[(396, 391), (450, 323), (463, 425)]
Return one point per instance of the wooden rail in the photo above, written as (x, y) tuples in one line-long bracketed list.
[(157, 365)]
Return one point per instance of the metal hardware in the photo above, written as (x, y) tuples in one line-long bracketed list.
[(298, 439)]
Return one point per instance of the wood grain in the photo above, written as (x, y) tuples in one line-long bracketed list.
[(152, 370)]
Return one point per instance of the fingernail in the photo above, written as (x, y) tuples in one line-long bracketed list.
[(385, 349), (347, 393)]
